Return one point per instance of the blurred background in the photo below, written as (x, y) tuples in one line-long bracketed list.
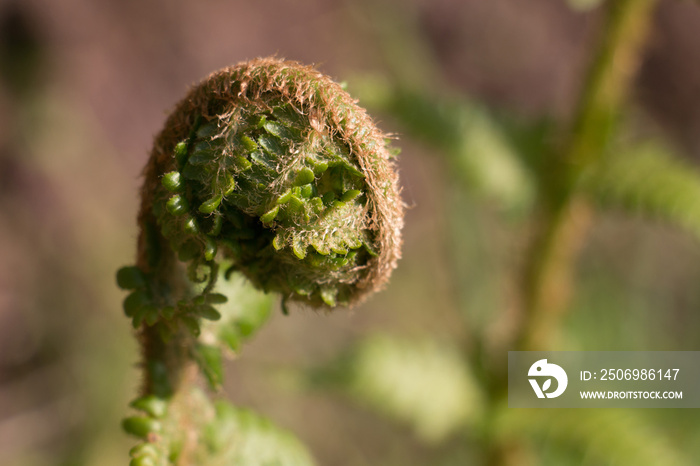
[(475, 92)]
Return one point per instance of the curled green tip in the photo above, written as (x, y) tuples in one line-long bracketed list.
[(287, 176)]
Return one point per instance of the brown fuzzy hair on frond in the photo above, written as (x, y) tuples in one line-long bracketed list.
[(312, 121)]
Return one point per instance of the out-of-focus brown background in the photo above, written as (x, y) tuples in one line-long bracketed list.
[(85, 85)]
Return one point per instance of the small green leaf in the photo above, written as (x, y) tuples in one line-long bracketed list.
[(150, 315), (172, 181), (278, 242), (151, 405), (277, 129), (144, 449), (307, 191), (339, 250), (190, 226), (349, 168), (350, 195), (177, 205), (130, 278), (321, 246), (208, 312), (211, 205), (242, 163), (208, 130), (228, 184), (216, 298), (137, 320), (270, 215), (181, 153), (304, 176), (135, 302), (341, 261), (258, 157), (317, 204), (248, 143), (353, 242), (284, 197), (319, 167), (210, 249), (299, 249), (141, 426), (328, 295), (295, 204), (191, 324), (217, 223), (272, 145), (370, 249), (202, 158)]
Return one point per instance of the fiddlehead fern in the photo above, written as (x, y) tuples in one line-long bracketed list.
[(271, 169)]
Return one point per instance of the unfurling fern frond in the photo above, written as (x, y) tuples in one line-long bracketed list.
[(270, 169)]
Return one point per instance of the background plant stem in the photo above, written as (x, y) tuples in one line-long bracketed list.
[(564, 216)]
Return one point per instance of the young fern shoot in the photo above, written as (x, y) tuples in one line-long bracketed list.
[(270, 169)]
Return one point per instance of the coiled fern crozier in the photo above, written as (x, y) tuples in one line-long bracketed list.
[(270, 169)]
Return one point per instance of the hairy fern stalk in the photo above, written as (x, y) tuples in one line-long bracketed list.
[(270, 169)]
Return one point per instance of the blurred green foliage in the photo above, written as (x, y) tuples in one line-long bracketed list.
[(421, 383)]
